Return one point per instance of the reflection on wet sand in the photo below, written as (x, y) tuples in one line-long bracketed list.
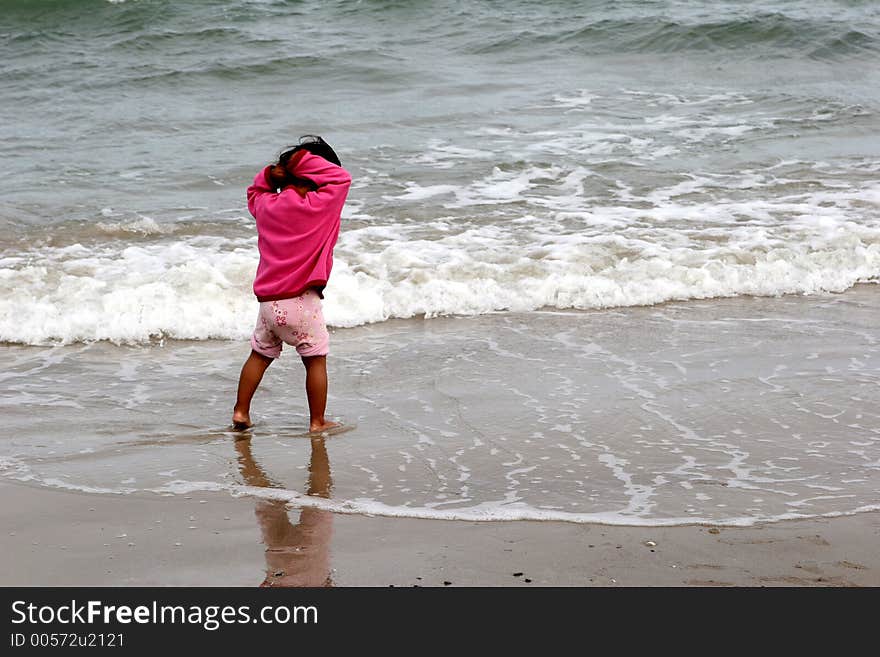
[(296, 554)]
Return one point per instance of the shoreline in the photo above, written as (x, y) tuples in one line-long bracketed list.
[(58, 538)]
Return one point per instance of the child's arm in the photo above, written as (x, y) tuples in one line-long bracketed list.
[(333, 183), (258, 189), (317, 169), (261, 186)]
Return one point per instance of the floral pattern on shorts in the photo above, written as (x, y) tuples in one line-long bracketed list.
[(298, 321), (280, 314)]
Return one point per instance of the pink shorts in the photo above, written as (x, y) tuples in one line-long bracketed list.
[(298, 321)]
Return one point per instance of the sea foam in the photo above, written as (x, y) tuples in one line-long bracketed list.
[(490, 511), (560, 253)]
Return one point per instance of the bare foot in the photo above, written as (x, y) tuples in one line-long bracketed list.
[(241, 421), (322, 425)]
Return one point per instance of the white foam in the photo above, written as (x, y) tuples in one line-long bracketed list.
[(518, 238), (191, 289), (441, 155), (582, 99), (484, 269), (505, 510), (143, 226)]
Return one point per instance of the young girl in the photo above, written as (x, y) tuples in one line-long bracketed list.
[(297, 203)]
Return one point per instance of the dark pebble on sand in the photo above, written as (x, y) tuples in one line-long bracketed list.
[(527, 580), (279, 573), (517, 574), (446, 583)]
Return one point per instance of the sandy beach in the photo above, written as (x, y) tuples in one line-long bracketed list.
[(717, 442)]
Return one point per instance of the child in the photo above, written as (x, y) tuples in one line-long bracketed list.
[(297, 203)]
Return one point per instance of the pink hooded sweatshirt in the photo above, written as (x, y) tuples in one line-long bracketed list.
[(296, 234)]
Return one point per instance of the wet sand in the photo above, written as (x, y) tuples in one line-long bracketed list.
[(59, 538)]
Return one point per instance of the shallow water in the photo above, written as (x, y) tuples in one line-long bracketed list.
[(728, 411)]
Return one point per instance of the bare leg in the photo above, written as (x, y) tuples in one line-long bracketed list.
[(251, 375), (316, 391)]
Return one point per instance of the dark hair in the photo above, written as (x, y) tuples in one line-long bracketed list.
[(315, 145), (280, 176)]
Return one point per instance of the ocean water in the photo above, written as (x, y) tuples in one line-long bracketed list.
[(506, 155), (514, 157)]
